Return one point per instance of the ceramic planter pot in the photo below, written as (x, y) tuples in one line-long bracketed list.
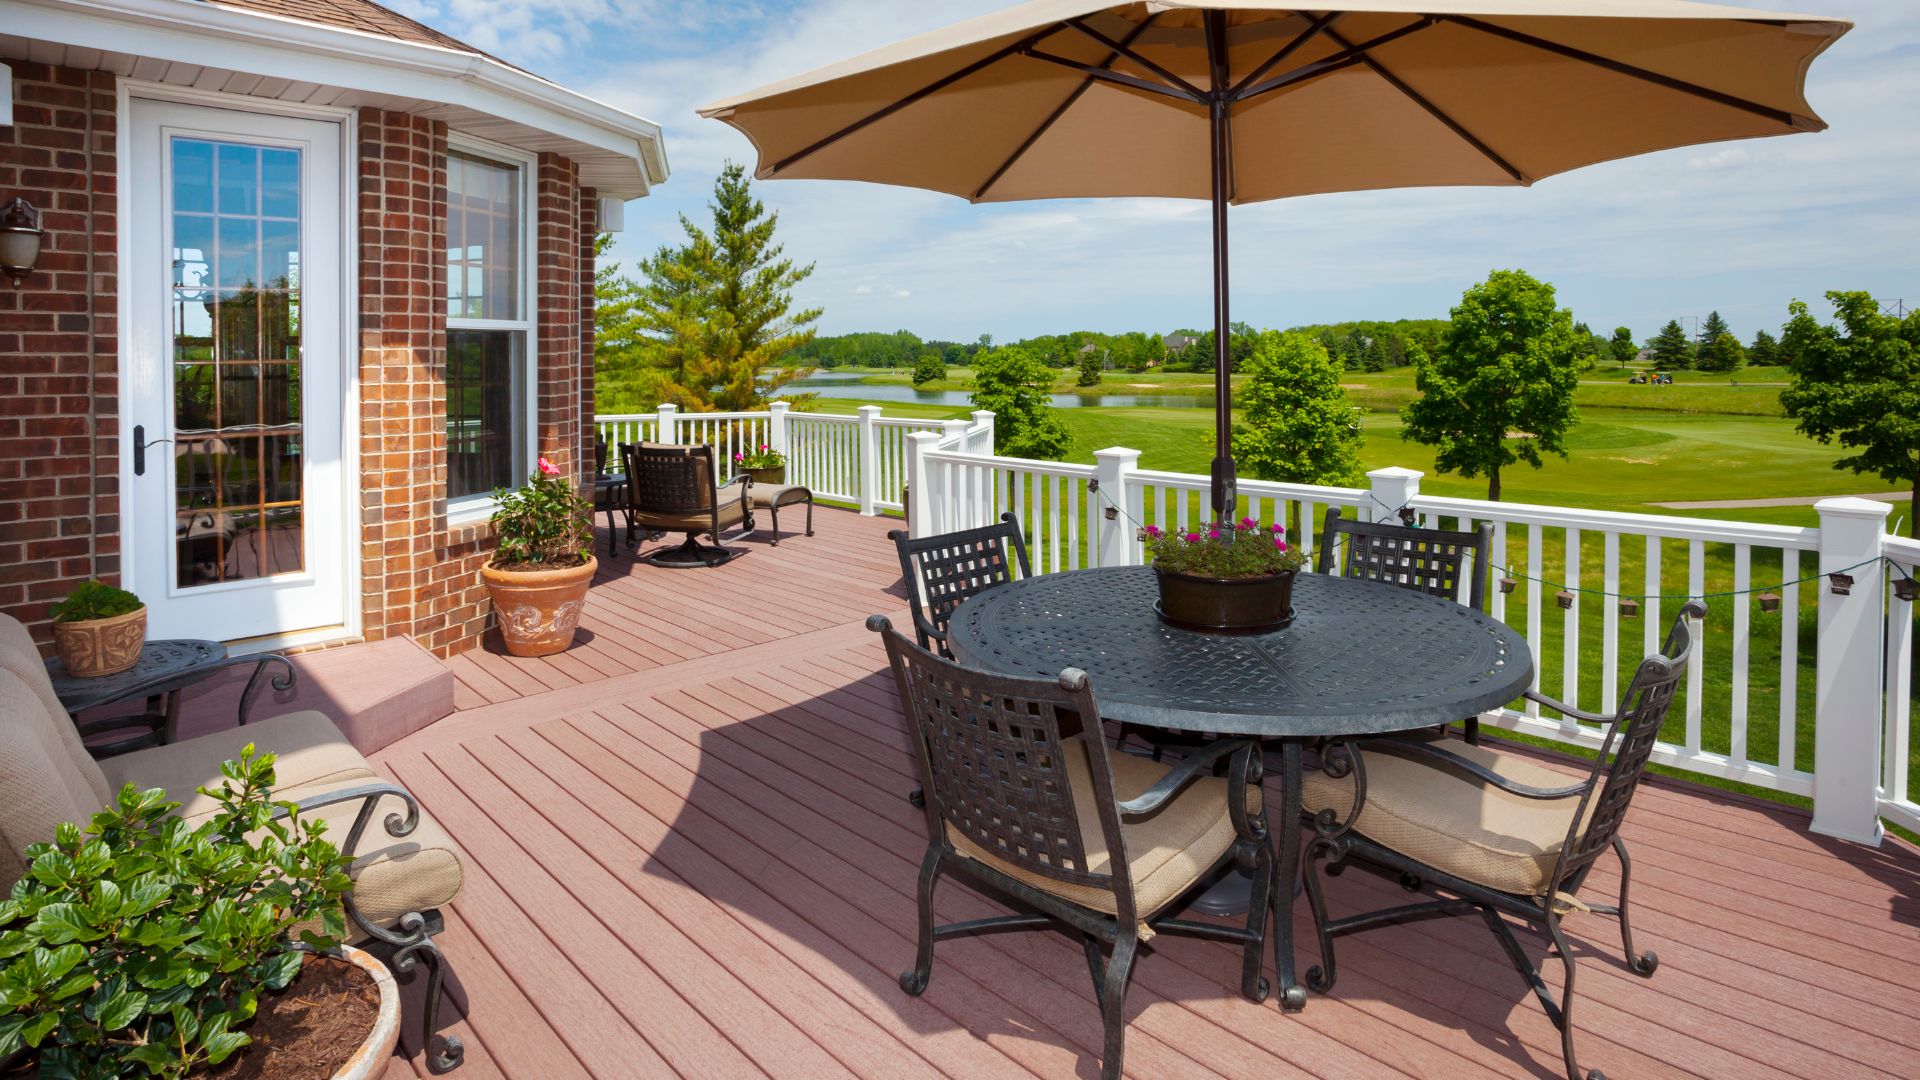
[(1226, 605), (95, 647), (774, 475), (376, 1053), (538, 610)]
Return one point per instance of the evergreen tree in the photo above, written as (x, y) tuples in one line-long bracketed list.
[(929, 369), (622, 379), (1299, 425), (1712, 329), (1723, 353), (1500, 391), (1671, 349), (1859, 383), (1090, 366), (1017, 385), (1621, 346), (717, 312), (1765, 351)]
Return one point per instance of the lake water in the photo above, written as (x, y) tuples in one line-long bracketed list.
[(834, 384)]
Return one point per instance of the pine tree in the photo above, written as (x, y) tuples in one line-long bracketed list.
[(1765, 351), (1671, 349), (1723, 353), (1090, 365), (622, 379), (717, 311), (1712, 329)]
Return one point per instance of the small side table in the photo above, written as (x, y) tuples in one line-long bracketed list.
[(164, 669), (771, 497), (610, 495)]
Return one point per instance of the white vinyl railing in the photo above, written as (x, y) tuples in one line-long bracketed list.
[(1786, 669)]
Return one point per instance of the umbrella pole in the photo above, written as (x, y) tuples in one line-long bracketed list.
[(1225, 497)]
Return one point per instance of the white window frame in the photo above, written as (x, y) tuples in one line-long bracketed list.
[(479, 507)]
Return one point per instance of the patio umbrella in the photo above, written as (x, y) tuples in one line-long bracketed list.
[(1240, 101)]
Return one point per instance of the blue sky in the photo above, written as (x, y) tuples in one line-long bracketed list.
[(1741, 227)]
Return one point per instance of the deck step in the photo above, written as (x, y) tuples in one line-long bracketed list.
[(377, 692)]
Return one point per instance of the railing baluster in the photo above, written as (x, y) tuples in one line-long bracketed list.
[(1610, 624), (1570, 635), (1073, 524), (1536, 572), (1742, 608), (1502, 561), (1650, 609), (1697, 664), (1789, 658)]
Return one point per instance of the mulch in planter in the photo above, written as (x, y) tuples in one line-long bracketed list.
[(309, 1030)]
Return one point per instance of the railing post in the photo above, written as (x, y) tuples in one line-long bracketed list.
[(920, 483), (1393, 487), (777, 426), (983, 418), (869, 458), (1847, 706), (665, 430), (1113, 469)]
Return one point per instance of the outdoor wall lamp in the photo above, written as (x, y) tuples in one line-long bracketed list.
[(19, 239)]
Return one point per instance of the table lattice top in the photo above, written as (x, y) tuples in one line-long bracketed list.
[(181, 657), (1360, 657)]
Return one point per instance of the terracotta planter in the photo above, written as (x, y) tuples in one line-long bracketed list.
[(538, 610), (94, 647), (1226, 605), (376, 1053), (775, 475)]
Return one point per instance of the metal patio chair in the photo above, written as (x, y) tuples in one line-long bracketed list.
[(1023, 803), (671, 488), (1500, 832), (1432, 561)]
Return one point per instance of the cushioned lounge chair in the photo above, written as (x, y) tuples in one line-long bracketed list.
[(672, 488)]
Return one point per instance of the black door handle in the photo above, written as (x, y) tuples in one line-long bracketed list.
[(140, 445)]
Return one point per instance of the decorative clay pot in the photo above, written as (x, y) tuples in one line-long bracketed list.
[(94, 647), (376, 1053), (775, 475), (1226, 605), (538, 610)]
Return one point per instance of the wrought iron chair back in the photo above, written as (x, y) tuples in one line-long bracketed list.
[(1432, 561), (670, 479), (993, 758), (943, 571), (1625, 750)]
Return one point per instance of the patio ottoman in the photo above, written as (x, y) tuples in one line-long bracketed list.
[(772, 497)]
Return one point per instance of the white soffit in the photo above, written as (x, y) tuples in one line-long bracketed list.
[(213, 48)]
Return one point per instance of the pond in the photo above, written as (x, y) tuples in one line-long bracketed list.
[(835, 384)]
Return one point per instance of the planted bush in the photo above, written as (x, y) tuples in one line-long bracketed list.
[(1221, 550), (543, 525), (94, 600), (136, 947)]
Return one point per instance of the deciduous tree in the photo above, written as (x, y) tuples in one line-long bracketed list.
[(1299, 425), (1017, 385), (928, 369), (1621, 346), (1858, 383), (1724, 353), (1500, 390)]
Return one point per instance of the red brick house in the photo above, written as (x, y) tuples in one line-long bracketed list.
[(314, 280)]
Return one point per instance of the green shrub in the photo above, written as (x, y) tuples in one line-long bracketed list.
[(95, 600), (1222, 551), (544, 524), (137, 947)]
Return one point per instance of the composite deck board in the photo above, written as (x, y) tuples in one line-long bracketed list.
[(689, 855)]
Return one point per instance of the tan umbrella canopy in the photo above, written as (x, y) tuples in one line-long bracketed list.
[(1240, 101)]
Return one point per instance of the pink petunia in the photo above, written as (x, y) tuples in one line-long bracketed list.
[(1279, 545), (1153, 531), (1193, 538), (1247, 524), (739, 457), (1213, 534), (548, 468), (1276, 527)]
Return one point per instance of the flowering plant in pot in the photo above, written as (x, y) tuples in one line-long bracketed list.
[(98, 629), (143, 946), (540, 571), (766, 465), (1222, 577)]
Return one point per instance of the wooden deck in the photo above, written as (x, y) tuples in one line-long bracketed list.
[(689, 855)]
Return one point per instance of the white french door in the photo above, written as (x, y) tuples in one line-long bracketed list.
[(235, 492)]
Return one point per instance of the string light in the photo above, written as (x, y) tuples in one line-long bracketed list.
[(1842, 583), (1566, 600), (1769, 602)]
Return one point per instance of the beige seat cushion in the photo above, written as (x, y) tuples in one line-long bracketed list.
[(308, 749), (395, 875), (731, 510), (1471, 830), (44, 781), (1167, 852)]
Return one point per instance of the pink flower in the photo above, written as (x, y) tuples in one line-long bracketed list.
[(1279, 544), (1213, 534), (1153, 531), (1247, 524), (548, 468), (763, 448), (1276, 527), (739, 457), (1193, 538)]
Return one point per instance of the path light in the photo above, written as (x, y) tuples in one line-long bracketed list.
[(1842, 584), (1769, 602), (1566, 600), (1630, 607)]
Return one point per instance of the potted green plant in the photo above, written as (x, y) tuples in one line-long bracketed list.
[(539, 574), (143, 946), (1224, 578), (99, 630), (765, 465)]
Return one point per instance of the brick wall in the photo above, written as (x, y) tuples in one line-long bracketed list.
[(59, 404)]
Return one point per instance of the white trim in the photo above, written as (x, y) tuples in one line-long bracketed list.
[(215, 99), (239, 40)]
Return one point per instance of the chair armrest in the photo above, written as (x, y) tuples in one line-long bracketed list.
[(1420, 750), (1565, 709), (176, 680), (368, 796), (1191, 768)]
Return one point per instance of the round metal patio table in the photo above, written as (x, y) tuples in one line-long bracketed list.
[(1361, 658)]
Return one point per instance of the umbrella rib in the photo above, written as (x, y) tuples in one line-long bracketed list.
[(1435, 111), (1047, 124), (1623, 68), (1342, 59), (931, 88), (1121, 47), (1094, 71), (1319, 25)]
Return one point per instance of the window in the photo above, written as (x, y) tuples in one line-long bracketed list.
[(488, 432)]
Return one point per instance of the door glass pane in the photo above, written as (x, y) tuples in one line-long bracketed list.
[(237, 424)]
